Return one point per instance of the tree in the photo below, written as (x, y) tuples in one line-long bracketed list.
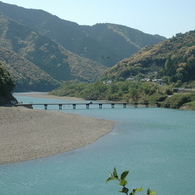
[(6, 82), (134, 93)]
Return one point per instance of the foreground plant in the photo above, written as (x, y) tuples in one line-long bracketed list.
[(123, 182)]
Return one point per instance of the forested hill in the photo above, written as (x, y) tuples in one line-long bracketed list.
[(60, 49), (172, 60), (122, 40), (6, 87), (104, 43), (26, 75), (38, 63)]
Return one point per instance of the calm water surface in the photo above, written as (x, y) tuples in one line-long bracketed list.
[(156, 145)]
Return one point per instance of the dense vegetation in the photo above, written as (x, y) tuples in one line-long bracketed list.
[(185, 100), (172, 60), (6, 86), (128, 91)]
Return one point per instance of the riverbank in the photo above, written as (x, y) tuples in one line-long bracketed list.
[(29, 134)]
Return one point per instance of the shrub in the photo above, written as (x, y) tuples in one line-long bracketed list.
[(123, 182), (176, 101)]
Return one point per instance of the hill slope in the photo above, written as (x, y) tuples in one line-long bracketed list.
[(120, 39), (104, 43), (26, 75), (173, 60), (61, 50), (55, 61)]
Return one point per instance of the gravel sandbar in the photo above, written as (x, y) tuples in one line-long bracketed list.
[(29, 134)]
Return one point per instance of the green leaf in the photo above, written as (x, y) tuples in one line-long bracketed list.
[(139, 189), (115, 173), (149, 192), (136, 190), (124, 175), (154, 192), (111, 177), (123, 182)]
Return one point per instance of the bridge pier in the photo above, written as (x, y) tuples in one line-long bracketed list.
[(60, 106), (112, 105), (135, 104), (45, 105), (74, 106), (100, 106)]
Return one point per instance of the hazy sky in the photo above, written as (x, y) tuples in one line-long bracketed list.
[(163, 17)]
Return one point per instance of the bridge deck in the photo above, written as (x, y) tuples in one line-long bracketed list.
[(30, 105)]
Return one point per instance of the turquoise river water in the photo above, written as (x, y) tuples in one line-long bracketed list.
[(155, 144)]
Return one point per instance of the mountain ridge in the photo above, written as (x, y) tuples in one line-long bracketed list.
[(70, 35), (63, 49), (130, 41), (41, 51)]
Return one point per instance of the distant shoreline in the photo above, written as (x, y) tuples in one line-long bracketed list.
[(46, 95)]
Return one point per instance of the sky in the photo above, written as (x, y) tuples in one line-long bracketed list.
[(163, 17)]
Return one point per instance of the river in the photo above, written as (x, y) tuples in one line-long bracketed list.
[(155, 144)]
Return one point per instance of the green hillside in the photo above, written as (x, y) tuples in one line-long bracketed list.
[(26, 75), (122, 40), (104, 43), (46, 57), (172, 60), (61, 50)]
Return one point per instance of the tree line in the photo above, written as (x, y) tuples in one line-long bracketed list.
[(128, 91)]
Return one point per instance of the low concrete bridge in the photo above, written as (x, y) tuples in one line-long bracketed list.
[(87, 105)]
